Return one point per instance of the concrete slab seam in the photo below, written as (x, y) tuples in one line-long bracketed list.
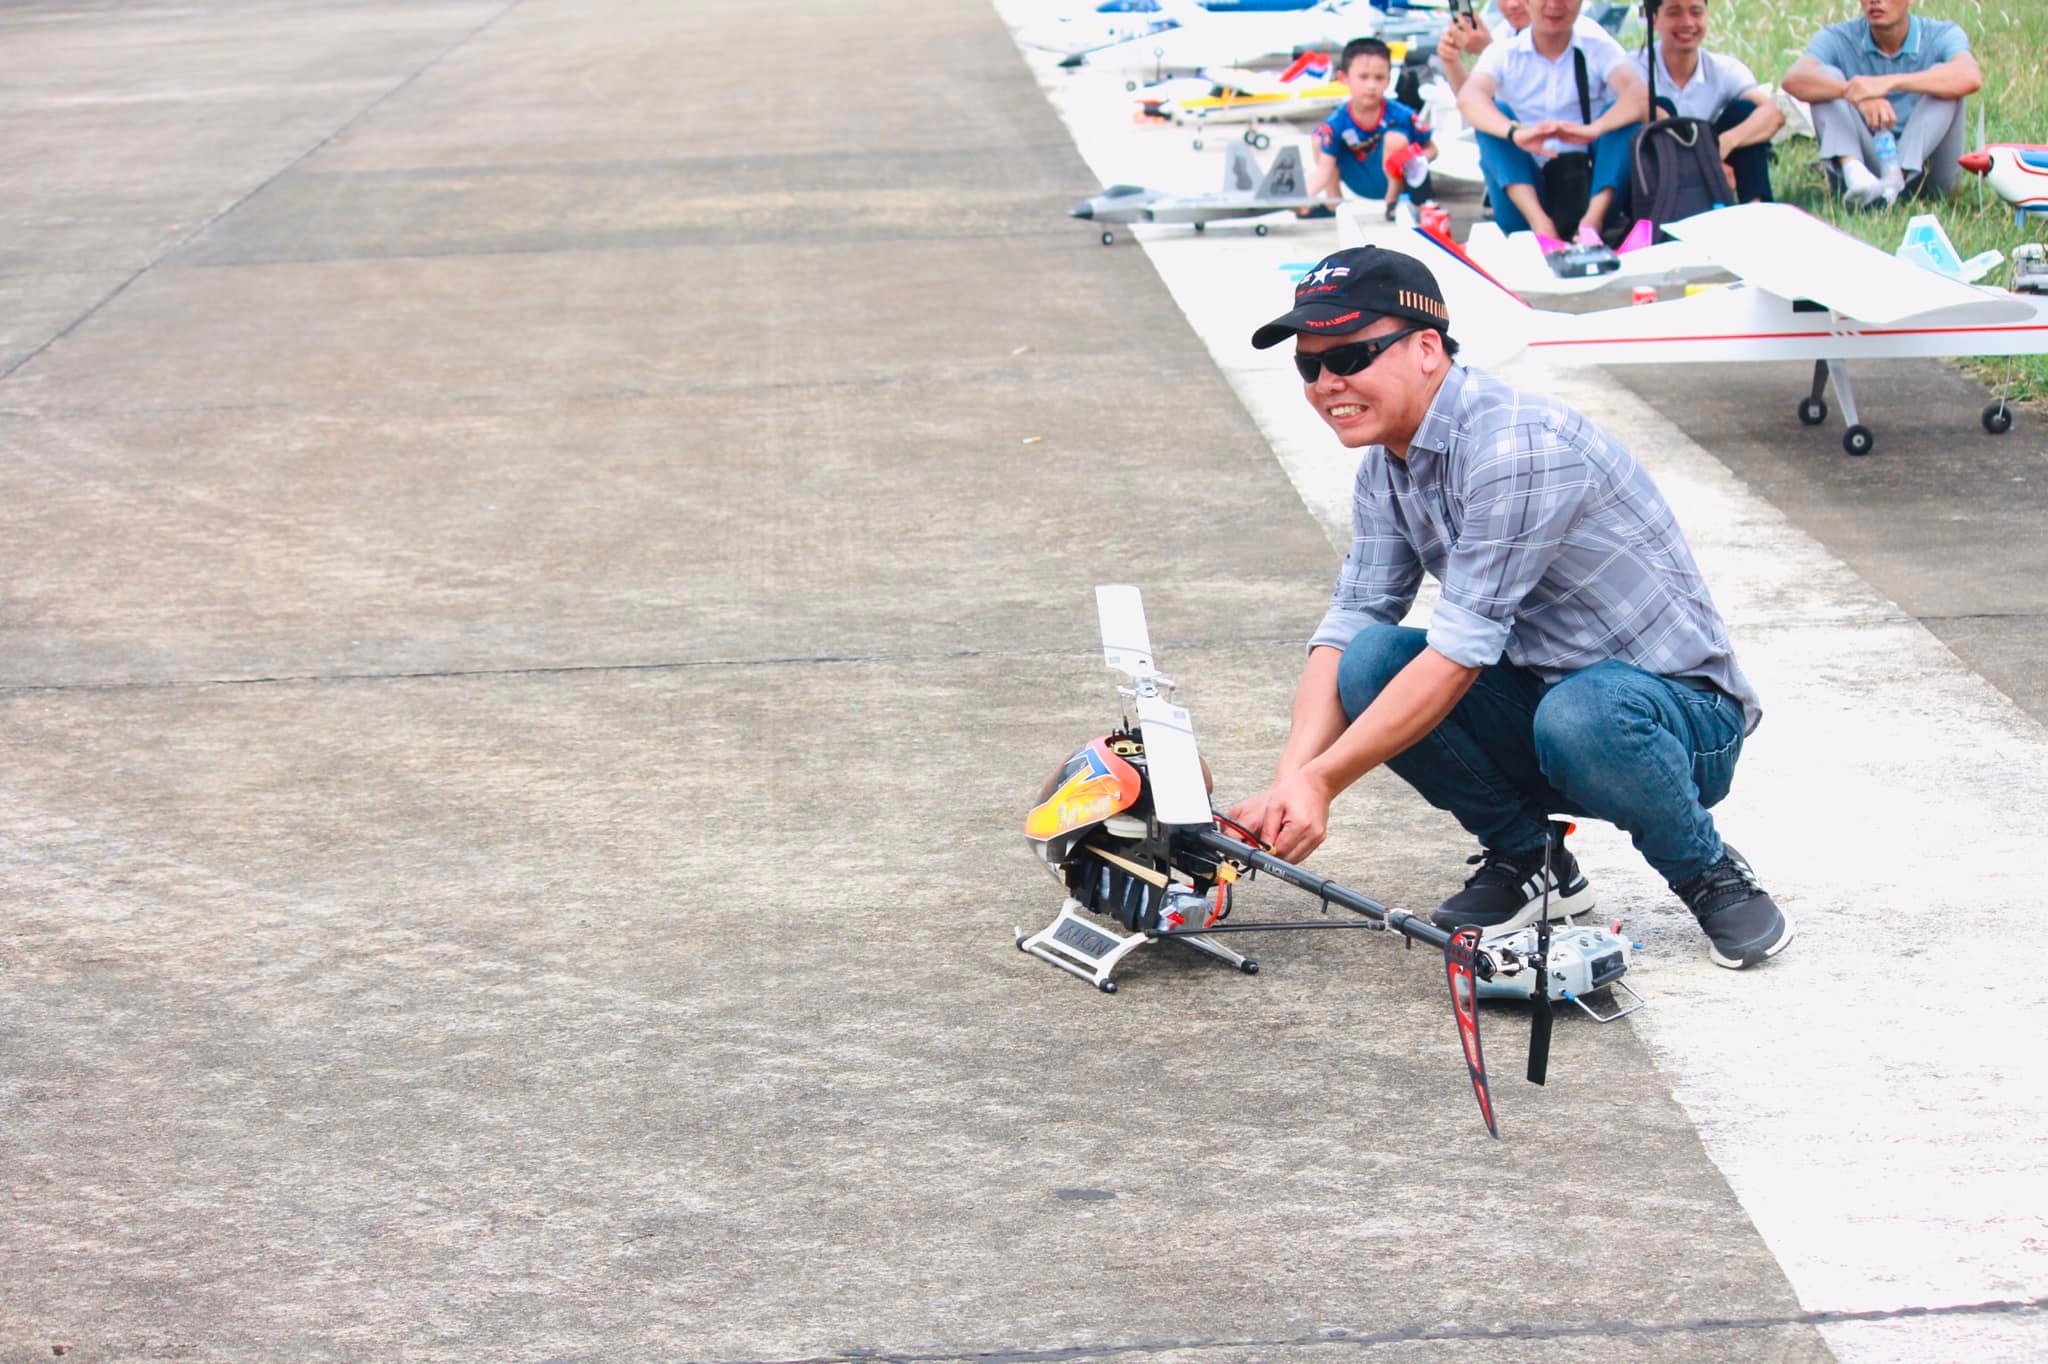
[(1421, 1334)]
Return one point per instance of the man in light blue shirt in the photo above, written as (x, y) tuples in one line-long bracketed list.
[(1574, 663), (1889, 71)]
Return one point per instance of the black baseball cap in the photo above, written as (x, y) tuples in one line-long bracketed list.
[(1353, 289)]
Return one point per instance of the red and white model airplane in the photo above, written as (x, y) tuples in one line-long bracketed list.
[(1803, 291), (2016, 172)]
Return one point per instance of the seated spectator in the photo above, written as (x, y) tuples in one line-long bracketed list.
[(1692, 82), (1462, 39), (1369, 140), (1523, 103), (1889, 71)]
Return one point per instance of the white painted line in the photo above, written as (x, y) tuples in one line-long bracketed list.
[(1875, 1097)]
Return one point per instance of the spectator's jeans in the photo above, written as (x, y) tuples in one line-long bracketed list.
[(1504, 164), (1752, 164), (1610, 742), (1931, 138)]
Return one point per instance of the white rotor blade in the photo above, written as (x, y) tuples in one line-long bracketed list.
[(1179, 795), (1126, 643)]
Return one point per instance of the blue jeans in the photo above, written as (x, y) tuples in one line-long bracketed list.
[(1502, 163), (1612, 742)]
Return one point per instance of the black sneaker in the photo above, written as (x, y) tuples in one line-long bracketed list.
[(1742, 923), (1506, 893)]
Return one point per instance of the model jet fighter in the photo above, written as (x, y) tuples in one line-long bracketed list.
[(1125, 825), (1246, 193)]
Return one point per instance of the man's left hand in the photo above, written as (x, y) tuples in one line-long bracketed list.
[(1860, 88)]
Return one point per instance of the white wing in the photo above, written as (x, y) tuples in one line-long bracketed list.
[(1794, 255)]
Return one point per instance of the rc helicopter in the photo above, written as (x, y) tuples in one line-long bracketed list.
[(1127, 827)]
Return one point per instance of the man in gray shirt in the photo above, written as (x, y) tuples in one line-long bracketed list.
[(1574, 664)]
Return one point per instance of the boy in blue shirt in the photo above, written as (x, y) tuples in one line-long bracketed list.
[(1370, 142), (1887, 72)]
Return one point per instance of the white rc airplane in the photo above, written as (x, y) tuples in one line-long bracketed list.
[(1803, 291)]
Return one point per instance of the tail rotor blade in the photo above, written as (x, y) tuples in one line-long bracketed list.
[(1460, 960), (1173, 766), (1126, 643)]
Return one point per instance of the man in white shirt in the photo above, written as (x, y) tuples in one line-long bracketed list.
[(1463, 38), (1524, 103), (1691, 82)]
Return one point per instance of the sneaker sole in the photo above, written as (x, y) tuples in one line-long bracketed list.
[(1561, 907), (1760, 954)]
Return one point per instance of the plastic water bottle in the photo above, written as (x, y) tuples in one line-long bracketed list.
[(1888, 173)]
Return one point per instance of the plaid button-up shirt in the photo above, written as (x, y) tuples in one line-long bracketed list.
[(1553, 546)]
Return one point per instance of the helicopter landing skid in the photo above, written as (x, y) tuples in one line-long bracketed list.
[(1086, 948)]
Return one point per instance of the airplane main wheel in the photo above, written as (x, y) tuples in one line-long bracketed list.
[(1109, 239), (1812, 411), (1254, 138), (1198, 144), (1260, 229), (1857, 440), (1998, 418), (1130, 86)]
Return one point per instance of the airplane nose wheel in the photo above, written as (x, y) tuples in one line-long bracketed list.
[(1857, 440), (1260, 229), (1812, 411), (1998, 418), (1109, 239)]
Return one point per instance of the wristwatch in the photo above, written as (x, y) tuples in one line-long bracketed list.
[(1513, 128)]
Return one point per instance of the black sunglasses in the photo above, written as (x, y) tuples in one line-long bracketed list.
[(1349, 359)]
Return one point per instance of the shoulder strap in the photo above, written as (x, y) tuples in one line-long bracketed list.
[(1650, 53), (1585, 93)]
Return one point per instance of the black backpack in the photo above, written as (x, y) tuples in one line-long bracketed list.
[(1675, 163)]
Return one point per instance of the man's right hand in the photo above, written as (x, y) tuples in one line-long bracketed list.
[(1292, 816), (1878, 113)]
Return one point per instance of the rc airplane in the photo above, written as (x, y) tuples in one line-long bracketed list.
[(2016, 172), (1203, 40), (1235, 95), (1245, 194), (1803, 291)]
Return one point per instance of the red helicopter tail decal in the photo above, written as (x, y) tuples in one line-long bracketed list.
[(1460, 956)]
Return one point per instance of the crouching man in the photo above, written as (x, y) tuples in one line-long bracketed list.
[(1575, 663)]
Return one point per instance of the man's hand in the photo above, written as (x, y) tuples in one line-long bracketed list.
[(1531, 136), (1580, 133), (1860, 88), (1878, 114), (1292, 816)]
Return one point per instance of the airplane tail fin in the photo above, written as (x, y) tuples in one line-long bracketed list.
[(1285, 180), (1492, 324), (1240, 169)]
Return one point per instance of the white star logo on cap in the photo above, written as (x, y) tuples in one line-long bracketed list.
[(1318, 276)]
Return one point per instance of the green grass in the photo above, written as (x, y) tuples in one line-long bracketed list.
[(2010, 41)]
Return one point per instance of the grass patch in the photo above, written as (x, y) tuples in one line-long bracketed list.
[(2010, 41)]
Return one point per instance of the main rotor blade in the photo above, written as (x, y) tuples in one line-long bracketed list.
[(1173, 766), (1126, 643)]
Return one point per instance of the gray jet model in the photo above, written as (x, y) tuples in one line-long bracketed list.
[(1245, 194)]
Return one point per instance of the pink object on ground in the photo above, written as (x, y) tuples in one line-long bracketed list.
[(1550, 244), (1638, 237)]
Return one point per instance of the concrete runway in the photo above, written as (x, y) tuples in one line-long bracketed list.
[(545, 561)]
